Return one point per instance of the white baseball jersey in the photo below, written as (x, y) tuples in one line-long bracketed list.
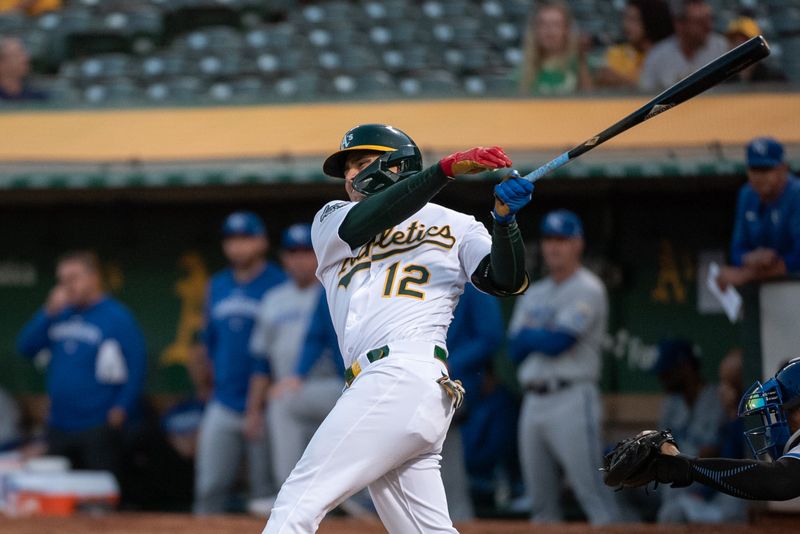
[(281, 326), (401, 286), (578, 305)]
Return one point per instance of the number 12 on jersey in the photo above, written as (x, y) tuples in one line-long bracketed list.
[(416, 275)]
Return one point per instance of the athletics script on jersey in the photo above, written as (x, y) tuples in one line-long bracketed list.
[(392, 242)]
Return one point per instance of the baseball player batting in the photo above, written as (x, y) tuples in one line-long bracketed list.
[(393, 266)]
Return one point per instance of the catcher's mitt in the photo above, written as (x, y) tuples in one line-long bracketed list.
[(630, 464)]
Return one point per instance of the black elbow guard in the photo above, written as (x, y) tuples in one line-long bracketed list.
[(482, 279)]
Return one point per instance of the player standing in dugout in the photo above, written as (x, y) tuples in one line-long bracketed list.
[(393, 265)]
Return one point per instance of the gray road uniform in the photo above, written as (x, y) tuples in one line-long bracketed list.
[(559, 428), (278, 335)]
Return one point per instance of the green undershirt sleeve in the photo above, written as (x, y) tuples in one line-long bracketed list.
[(395, 204), (502, 272)]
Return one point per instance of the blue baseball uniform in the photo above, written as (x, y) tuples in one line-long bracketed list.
[(556, 334), (475, 332), (320, 340), (775, 225), (98, 362), (231, 311), (490, 439)]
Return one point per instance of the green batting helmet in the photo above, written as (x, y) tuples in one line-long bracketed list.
[(399, 150)]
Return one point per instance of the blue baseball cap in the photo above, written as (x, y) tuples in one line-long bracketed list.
[(673, 352), (297, 237), (764, 152), (561, 223), (243, 223)]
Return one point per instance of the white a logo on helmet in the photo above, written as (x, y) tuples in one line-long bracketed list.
[(347, 139), (760, 147)]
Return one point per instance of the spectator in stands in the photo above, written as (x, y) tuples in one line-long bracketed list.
[(556, 334), (15, 66), (555, 57), (97, 363), (692, 410), (740, 30), (33, 8), (766, 235), (474, 335), (645, 23), (234, 417), (693, 45)]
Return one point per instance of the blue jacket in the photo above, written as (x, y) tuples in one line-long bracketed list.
[(320, 339), (775, 226), (474, 335), (79, 400), (231, 311)]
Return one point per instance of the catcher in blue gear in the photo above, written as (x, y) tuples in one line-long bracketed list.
[(773, 411)]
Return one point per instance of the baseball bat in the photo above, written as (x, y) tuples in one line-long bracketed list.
[(704, 78)]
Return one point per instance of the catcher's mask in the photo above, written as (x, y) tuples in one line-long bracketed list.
[(764, 407), (398, 150)]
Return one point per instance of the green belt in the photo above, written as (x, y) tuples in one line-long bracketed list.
[(374, 355)]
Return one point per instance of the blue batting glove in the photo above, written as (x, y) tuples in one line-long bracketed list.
[(511, 195)]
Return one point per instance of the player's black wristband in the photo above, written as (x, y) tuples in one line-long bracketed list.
[(746, 479), (502, 272), (391, 206)]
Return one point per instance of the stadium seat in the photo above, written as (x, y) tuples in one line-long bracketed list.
[(157, 92), (507, 32), (431, 83), (118, 90), (368, 84), (106, 66), (59, 89), (411, 58), (295, 87), (12, 23), (185, 19), (184, 87), (215, 65), (499, 84), (163, 64), (329, 60), (221, 91), (446, 9), (788, 23), (279, 36), (492, 8), (250, 88), (358, 58)]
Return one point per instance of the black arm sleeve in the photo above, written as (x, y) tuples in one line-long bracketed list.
[(502, 272), (746, 479), (395, 204)]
